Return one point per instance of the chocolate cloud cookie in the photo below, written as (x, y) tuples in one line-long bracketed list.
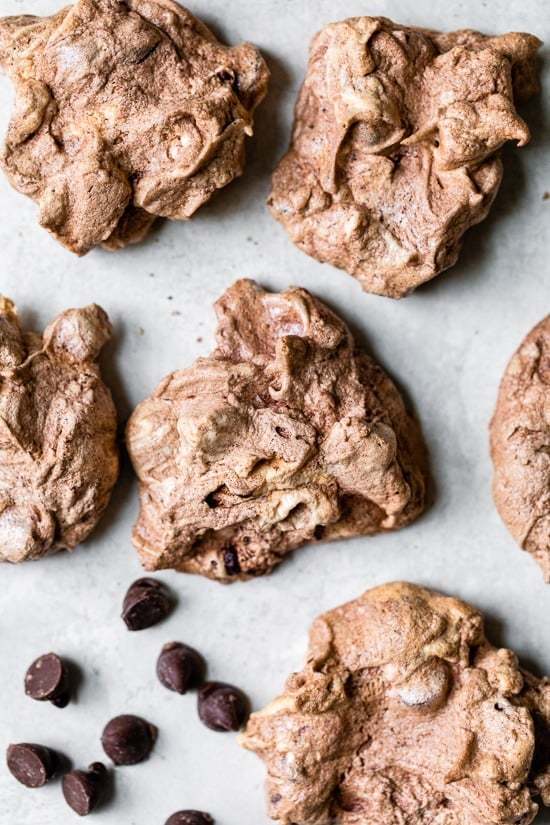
[(58, 454), (394, 152), (405, 713), (520, 446), (125, 110), (286, 434)]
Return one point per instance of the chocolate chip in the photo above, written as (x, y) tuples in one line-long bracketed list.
[(179, 667), (47, 680), (146, 603), (190, 818), (128, 740), (222, 707), (83, 790), (226, 75), (231, 561), (32, 765)]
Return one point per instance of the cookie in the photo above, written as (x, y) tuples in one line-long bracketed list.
[(394, 153), (125, 111), (58, 453), (286, 434), (520, 446), (405, 713)]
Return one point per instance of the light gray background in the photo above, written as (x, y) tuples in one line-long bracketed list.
[(447, 346)]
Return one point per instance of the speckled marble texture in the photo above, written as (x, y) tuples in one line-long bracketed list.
[(446, 345)]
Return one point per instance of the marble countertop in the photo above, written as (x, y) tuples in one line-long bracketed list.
[(446, 345)]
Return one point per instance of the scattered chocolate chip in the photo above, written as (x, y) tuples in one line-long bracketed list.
[(47, 680), (32, 765), (222, 707), (146, 603), (190, 818), (179, 667), (231, 561), (83, 790), (128, 740)]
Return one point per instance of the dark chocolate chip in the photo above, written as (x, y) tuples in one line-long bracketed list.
[(190, 818), (83, 790), (222, 707), (226, 75), (179, 667), (211, 500), (32, 765), (47, 680), (231, 561), (128, 740), (146, 603)]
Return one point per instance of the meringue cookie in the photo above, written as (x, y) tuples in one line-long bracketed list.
[(126, 110), (286, 434), (405, 712), (394, 153), (520, 446), (58, 453)]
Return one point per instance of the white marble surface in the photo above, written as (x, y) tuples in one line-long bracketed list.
[(447, 346)]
